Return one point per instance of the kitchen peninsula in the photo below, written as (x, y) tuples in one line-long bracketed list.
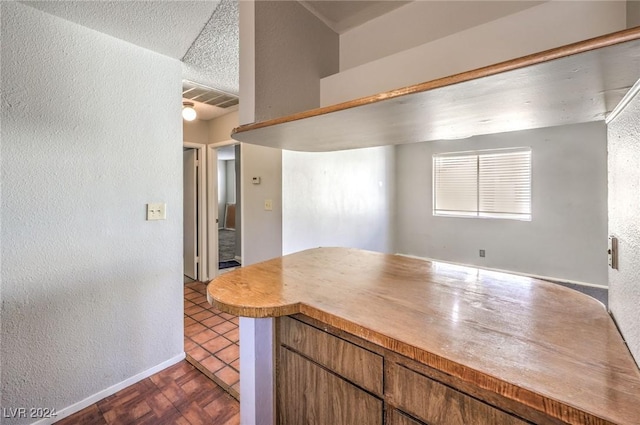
[(371, 338)]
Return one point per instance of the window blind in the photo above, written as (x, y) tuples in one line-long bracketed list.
[(493, 184)]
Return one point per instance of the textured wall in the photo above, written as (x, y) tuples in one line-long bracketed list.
[(567, 236), (91, 292), (624, 210)]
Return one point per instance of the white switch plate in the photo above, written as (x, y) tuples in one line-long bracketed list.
[(157, 211), (268, 205)]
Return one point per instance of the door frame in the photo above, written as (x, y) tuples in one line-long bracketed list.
[(212, 202), (203, 271)]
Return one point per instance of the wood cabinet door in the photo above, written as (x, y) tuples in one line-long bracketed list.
[(311, 395), (438, 404)]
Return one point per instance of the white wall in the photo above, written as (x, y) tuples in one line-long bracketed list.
[(338, 199), (220, 128), (261, 229), (91, 292), (567, 237), (222, 191), (624, 210), (196, 131), (231, 181), (226, 188), (417, 23), (548, 25)]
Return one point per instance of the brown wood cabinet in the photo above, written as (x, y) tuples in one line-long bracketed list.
[(395, 417), (439, 404), (312, 395), (327, 377), (361, 333)]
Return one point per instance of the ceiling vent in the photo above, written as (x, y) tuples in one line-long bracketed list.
[(203, 94)]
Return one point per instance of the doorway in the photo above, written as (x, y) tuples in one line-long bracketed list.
[(211, 337), (194, 213), (229, 232)]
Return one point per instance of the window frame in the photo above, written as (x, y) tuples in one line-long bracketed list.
[(477, 212)]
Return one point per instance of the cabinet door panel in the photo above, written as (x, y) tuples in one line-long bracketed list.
[(438, 404), (395, 417), (310, 395), (354, 363)]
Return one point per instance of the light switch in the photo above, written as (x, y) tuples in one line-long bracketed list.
[(157, 211), (268, 205)]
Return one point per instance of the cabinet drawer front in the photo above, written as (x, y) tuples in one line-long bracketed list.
[(438, 404), (310, 395), (394, 417), (354, 363)]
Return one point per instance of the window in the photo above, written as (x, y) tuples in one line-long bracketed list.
[(495, 184)]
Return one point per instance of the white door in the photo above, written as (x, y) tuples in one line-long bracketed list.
[(190, 214)]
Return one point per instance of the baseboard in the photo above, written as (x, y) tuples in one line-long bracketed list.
[(70, 410), (534, 276)]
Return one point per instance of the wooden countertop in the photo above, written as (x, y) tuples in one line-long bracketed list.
[(534, 342)]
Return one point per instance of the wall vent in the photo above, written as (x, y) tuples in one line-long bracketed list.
[(203, 94)]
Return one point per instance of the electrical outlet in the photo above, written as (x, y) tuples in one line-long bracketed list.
[(157, 211), (482, 253), (268, 205)]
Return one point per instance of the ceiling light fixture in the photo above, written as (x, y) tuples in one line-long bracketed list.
[(188, 111)]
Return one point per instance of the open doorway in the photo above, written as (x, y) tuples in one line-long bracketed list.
[(211, 337), (229, 231), (194, 213)]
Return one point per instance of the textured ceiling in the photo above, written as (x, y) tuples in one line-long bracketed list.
[(166, 27), (204, 35), (212, 60)]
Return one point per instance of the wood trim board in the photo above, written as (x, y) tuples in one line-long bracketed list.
[(579, 82)]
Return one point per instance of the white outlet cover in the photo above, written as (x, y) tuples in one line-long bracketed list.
[(157, 211)]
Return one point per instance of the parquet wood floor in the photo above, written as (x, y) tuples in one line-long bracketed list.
[(180, 395)]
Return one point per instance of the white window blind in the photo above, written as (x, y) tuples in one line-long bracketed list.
[(493, 184)]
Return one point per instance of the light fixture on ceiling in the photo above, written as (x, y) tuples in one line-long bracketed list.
[(188, 111)]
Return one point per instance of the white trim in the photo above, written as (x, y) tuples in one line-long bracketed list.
[(534, 276), (628, 97), (257, 380), (76, 407), (212, 210), (203, 274)]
